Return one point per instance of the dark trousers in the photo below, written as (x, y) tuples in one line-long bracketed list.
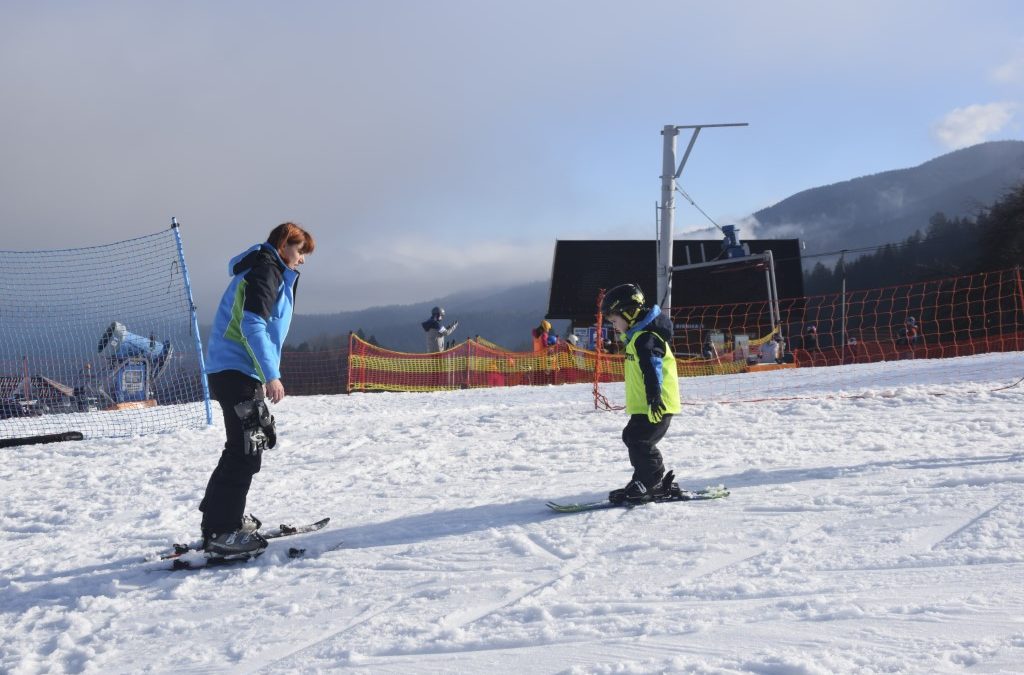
[(641, 438), (224, 502)]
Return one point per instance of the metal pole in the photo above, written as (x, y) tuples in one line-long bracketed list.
[(774, 289), (774, 311), (842, 312), (669, 174), (195, 321), (668, 209)]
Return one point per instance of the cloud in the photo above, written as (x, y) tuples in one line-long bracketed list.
[(973, 124), (752, 228), (1012, 71), (416, 268)]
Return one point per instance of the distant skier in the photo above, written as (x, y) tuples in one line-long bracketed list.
[(436, 330), (908, 335), (709, 351), (652, 389), (244, 366), (542, 336), (811, 338)]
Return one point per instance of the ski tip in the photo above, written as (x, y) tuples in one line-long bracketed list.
[(715, 491)]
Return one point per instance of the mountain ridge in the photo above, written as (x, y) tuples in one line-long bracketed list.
[(891, 205), (504, 315)]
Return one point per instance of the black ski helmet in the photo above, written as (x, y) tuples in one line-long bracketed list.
[(437, 312), (626, 300)]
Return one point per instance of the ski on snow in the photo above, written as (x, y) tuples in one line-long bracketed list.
[(192, 556), (676, 495)]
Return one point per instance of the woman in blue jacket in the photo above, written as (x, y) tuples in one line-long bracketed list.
[(244, 369)]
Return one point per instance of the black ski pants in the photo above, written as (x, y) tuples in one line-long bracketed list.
[(224, 501), (641, 437)]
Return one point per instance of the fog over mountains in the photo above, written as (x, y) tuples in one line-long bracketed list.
[(866, 211), (890, 206)]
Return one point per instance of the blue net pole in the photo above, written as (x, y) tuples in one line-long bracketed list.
[(195, 319)]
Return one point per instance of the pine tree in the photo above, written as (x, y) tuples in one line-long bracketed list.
[(1002, 232)]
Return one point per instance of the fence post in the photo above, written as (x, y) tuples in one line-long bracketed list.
[(195, 320), (348, 366), (1020, 288)]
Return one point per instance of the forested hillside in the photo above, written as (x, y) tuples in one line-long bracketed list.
[(992, 240)]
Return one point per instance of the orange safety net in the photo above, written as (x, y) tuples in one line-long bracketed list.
[(470, 364), (600, 400), (322, 372), (946, 318), (961, 316)]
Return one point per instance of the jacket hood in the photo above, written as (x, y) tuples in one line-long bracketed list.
[(652, 314), (655, 320), (253, 255)]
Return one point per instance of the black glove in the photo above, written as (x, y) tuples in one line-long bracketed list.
[(258, 428), (655, 411)]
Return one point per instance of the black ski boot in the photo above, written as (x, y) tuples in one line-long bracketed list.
[(637, 492), (237, 544)]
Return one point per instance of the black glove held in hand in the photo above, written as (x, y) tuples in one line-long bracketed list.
[(655, 411), (258, 426)]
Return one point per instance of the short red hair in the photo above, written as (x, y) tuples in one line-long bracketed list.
[(290, 233)]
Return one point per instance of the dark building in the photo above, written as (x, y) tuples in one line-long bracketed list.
[(583, 268)]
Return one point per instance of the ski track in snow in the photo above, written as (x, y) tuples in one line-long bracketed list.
[(881, 533)]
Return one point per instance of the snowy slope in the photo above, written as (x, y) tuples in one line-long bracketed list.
[(881, 533)]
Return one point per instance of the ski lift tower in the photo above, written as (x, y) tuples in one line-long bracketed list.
[(669, 174)]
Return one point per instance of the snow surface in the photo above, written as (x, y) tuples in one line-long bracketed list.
[(882, 533)]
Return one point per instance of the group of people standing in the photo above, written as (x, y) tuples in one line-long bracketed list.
[(244, 360), (908, 334), (437, 333)]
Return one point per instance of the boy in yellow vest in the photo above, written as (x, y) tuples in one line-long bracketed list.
[(652, 389)]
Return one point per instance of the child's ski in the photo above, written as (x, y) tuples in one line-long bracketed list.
[(710, 492)]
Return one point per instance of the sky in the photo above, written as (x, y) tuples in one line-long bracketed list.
[(436, 147)]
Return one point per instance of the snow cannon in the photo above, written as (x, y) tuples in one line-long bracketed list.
[(119, 344), (731, 246), (135, 362)]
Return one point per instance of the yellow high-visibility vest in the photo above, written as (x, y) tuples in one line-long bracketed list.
[(636, 395)]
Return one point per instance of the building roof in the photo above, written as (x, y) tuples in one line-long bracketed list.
[(14, 385), (583, 268)]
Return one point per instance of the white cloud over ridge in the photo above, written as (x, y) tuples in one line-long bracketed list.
[(1012, 70), (974, 124)]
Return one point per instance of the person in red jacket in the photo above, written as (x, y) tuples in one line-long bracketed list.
[(541, 336)]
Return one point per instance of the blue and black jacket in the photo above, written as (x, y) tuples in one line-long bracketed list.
[(254, 315)]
